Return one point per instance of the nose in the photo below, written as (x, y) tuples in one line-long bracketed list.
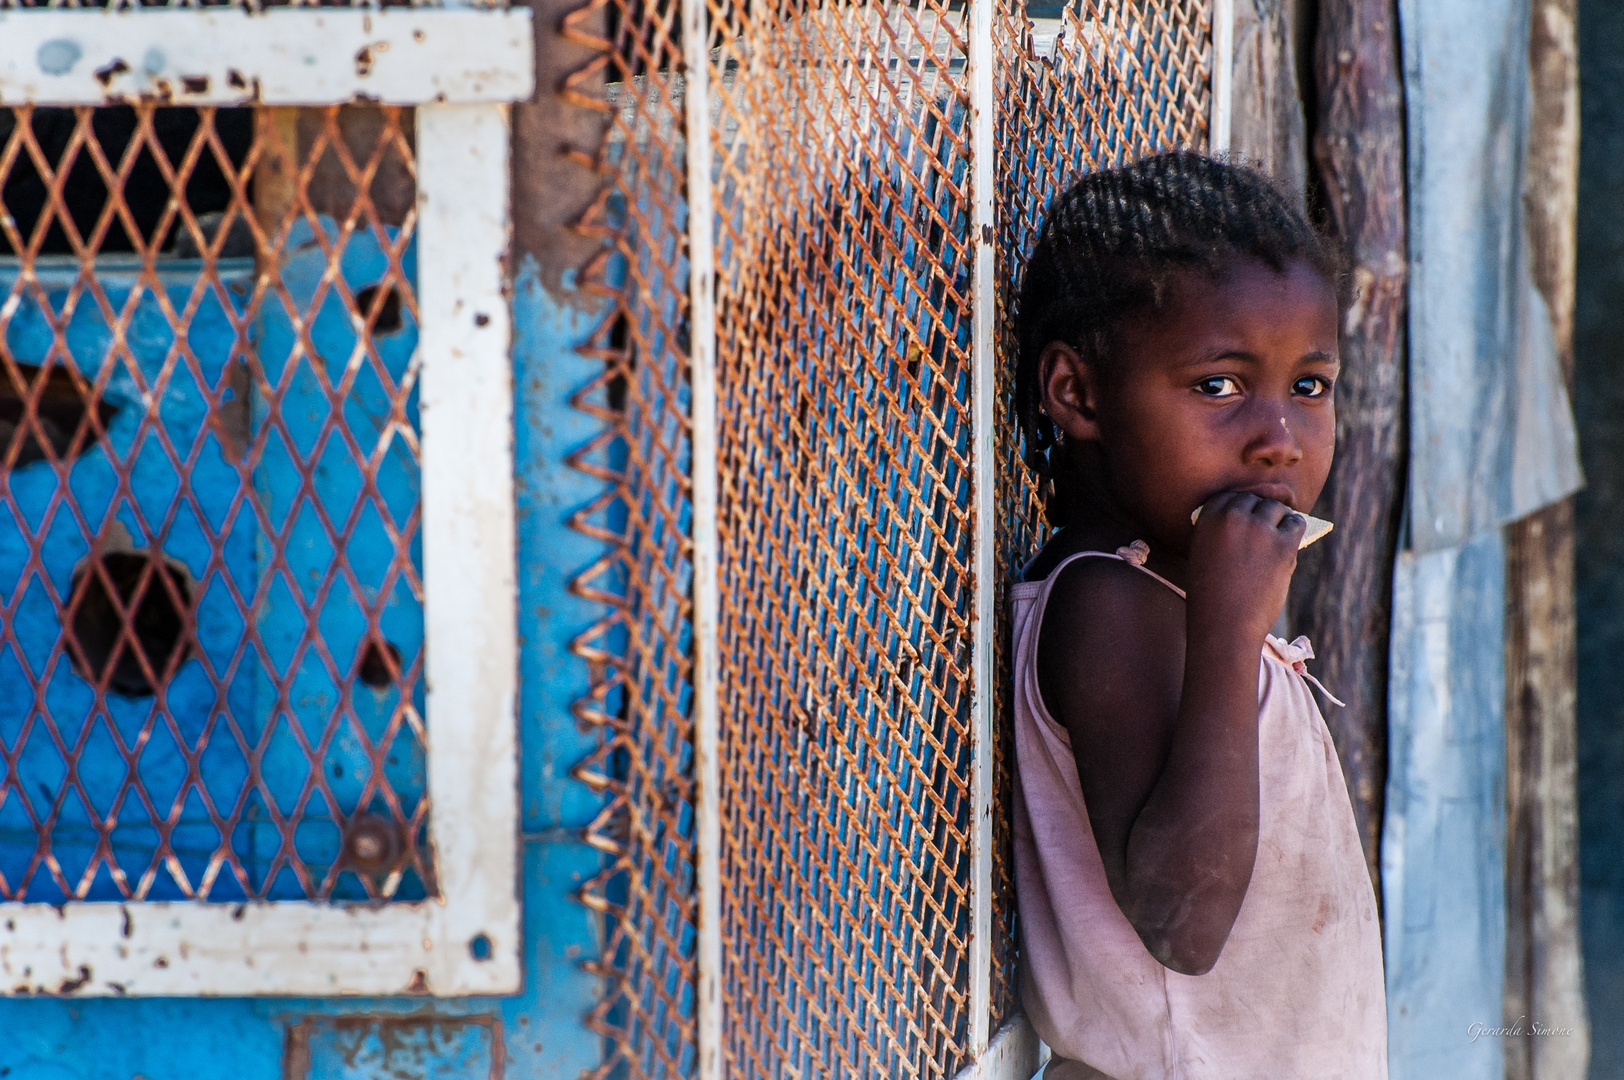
[(1273, 443)]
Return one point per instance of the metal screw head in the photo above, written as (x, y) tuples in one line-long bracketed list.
[(372, 843)]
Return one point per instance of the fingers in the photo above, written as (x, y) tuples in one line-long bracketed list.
[(1274, 514)]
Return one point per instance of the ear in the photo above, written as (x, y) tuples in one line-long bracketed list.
[(1070, 392)]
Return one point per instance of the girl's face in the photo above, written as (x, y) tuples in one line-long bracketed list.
[(1227, 388)]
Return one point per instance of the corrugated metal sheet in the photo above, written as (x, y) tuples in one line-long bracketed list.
[(1491, 440)]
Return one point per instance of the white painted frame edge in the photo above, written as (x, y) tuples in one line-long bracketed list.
[(984, 449), (1223, 76), (280, 56), (1015, 1053), (471, 658), (706, 540)]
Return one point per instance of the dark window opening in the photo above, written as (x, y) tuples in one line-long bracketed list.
[(25, 194)]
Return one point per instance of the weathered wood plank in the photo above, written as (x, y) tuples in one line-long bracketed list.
[(1344, 598), (1266, 109), (1544, 973)]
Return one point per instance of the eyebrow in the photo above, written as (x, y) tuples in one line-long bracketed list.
[(1318, 356)]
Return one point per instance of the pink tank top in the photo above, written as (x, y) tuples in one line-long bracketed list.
[(1297, 991)]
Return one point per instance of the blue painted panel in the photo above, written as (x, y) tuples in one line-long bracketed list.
[(352, 552), (1443, 841), (147, 512), (1491, 432)]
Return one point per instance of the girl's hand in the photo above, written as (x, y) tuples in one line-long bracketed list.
[(1242, 555)]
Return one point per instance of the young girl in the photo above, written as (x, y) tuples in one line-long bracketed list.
[(1193, 899)]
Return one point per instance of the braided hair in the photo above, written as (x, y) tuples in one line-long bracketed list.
[(1109, 248)]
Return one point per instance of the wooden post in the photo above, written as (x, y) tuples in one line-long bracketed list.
[(1266, 108), (1346, 599), (1544, 974)]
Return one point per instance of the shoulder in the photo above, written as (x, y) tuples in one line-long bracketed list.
[(1112, 639), (1103, 597)]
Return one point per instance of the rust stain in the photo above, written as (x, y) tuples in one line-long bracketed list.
[(195, 84), (296, 1051), (230, 419), (106, 75), (71, 986), (387, 1047)]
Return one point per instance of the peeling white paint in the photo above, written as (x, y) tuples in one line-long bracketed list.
[(279, 56), (706, 540), (1223, 76), (1015, 1053), (984, 457)]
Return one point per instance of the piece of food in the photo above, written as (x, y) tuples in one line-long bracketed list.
[(1318, 528)]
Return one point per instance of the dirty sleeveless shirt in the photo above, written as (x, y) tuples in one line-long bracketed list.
[(1297, 991)]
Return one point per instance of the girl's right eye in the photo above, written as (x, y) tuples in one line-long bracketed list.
[(1218, 386)]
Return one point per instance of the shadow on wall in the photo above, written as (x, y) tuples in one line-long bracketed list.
[(1599, 408)]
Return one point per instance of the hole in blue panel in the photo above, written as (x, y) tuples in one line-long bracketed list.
[(480, 947), (388, 320), (156, 599)]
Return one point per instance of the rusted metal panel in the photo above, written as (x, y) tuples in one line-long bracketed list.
[(558, 143), (275, 56), (394, 1048), (1544, 968)]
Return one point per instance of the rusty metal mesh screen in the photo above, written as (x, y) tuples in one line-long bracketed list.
[(210, 588), (640, 653), (841, 162), (844, 259), (1120, 79)]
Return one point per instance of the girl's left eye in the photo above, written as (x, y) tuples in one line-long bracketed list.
[(1218, 386), (1310, 386)]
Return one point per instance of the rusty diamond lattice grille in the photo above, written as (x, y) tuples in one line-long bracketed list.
[(844, 246), (841, 163), (211, 622)]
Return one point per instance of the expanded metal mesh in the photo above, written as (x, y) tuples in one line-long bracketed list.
[(841, 164), (844, 259), (1120, 79), (640, 653), (211, 621)]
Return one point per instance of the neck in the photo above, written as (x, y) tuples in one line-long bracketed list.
[(1097, 521)]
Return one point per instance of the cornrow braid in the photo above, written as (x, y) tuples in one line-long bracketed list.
[(1109, 246)]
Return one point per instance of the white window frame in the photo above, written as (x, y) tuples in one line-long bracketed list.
[(460, 67)]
